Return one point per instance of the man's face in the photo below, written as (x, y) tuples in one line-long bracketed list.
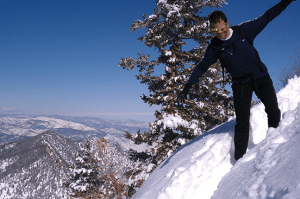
[(221, 29)]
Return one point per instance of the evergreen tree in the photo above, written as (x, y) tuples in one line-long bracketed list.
[(85, 174), (103, 170), (113, 164), (172, 25)]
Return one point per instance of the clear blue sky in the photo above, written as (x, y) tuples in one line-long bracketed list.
[(61, 56)]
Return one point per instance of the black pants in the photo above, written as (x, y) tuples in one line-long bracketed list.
[(242, 96)]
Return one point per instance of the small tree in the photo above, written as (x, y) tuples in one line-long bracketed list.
[(173, 23), (290, 71), (85, 174), (112, 170), (103, 171)]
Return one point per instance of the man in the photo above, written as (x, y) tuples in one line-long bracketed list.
[(242, 61)]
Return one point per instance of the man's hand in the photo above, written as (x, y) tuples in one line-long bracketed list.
[(183, 95), (181, 98)]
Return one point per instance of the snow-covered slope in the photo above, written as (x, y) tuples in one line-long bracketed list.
[(39, 167), (36, 167), (203, 168)]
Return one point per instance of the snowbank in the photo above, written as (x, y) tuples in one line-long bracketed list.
[(202, 168)]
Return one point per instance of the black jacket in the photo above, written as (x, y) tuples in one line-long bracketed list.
[(244, 59)]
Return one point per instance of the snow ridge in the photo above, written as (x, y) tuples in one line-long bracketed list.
[(36, 167), (203, 168)]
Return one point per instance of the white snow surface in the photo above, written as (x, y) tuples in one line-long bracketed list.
[(203, 168)]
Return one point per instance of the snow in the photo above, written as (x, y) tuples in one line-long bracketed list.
[(152, 16), (23, 125), (54, 123), (172, 60), (173, 9), (204, 167), (172, 121), (168, 53)]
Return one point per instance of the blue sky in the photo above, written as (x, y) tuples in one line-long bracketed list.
[(61, 56)]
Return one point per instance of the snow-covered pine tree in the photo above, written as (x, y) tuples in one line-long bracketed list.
[(85, 174), (120, 176), (103, 170), (173, 23), (113, 165)]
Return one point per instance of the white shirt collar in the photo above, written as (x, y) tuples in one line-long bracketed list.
[(231, 31)]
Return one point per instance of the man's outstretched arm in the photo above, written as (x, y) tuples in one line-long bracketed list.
[(254, 27)]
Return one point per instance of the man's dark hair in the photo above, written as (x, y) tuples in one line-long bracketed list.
[(216, 16)]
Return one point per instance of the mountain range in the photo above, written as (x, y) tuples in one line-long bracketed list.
[(36, 167), (21, 127), (37, 151)]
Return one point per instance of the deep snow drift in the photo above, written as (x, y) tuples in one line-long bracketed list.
[(202, 168)]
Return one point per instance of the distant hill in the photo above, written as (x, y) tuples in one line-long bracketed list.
[(36, 151), (17, 128), (36, 167)]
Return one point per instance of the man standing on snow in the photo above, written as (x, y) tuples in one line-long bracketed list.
[(234, 48)]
